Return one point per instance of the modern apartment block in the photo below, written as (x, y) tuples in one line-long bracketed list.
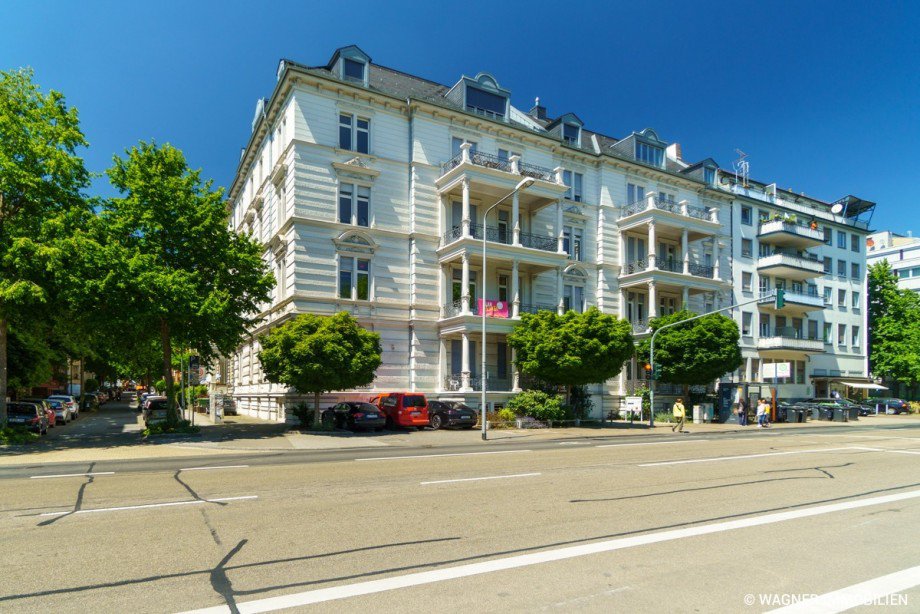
[(902, 253), (369, 188)]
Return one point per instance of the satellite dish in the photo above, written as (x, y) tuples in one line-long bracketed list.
[(836, 209)]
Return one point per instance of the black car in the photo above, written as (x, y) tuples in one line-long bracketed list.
[(355, 415), (450, 413), (887, 405), (30, 415), (864, 408)]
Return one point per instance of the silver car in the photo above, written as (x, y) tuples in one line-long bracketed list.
[(69, 402)]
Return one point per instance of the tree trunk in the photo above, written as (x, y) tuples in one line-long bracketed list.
[(3, 373), (317, 417), (171, 417), (82, 374)]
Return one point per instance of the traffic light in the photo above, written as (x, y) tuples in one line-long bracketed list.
[(780, 298), (648, 371)]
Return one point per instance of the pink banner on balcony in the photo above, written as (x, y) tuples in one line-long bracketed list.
[(494, 309)]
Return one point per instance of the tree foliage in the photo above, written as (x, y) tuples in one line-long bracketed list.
[(180, 272), (315, 354), (894, 327), (41, 184), (573, 349), (694, 353)]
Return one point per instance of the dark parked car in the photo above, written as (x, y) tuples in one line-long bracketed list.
[(450, 413), (356, 416), (888, 405), (864, 407), (46, 407), (155, 409), (30, 415)]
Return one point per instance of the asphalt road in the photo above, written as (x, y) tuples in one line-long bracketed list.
[(739, 523)]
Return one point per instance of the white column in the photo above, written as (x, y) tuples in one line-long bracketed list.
[(515, 161), (684, 207), (560, 247), (685, 250), (465, 290), (650, 200), (621, 247), (560, 305), (652, 300), (445, 292), (623, 300), (465, 364), (442, 364), (747, 369), (465, 152), (465, 187), (515, 373), (715, 257), (515, 291), (686, 298), (652, 245), (516, 219)]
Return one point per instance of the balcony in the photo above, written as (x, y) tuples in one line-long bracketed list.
[(485, 160), (536, 307), (652, 202), (789, 234), (790, 264), (454, 383), (502, 236), (796, 302), (787, 339), (671, 265), (639, 327)]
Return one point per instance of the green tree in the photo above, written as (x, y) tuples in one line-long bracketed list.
[(183, 274), (91, 384), (573, 349), (695, 353), (894, 327), (314, 353), (41, 181)]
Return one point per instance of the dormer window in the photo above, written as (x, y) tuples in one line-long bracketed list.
[(650, 154), (571, 134), (485, 103), (353, 70), (709, 175)]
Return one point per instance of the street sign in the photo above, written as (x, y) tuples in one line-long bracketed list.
[(633, 406), (776, 369)]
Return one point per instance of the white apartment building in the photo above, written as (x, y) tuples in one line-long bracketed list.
[(902, 253), (368, 187)]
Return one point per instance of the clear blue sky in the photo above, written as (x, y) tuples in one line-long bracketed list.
[(823, 96)]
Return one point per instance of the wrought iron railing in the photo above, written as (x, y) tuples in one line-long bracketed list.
[(636, 266), (640, 326), (487, 160), (454, 233), (451, 164), (669, 264), (634, 208), (547, 244), (490, 161), (453, 308), (535, 307), (698, 212), (667, 205), (537, 172), (701, 270)]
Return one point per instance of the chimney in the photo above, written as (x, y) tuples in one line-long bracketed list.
[(674, 153), (538, 111)]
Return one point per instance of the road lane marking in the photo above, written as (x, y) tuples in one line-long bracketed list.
[(870, 592), (713, 459), (649, 443), (345, 591), (885, 450), (216, 467), (491, 477), (383, 458), (150, 505), (70, 475)]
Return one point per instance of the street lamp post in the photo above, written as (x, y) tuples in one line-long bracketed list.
[(523, 183)]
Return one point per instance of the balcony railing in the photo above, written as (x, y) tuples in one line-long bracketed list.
[(453, 308), (789, 338), (640, 326), (454, 233), (771, 226), (535, 307), (486, 160), (636, 266), (802, 260), (699, 213), (669, 264), (701, 270), (503, 236), (455, 382), (680, 208), (547, 244), (808, 297)]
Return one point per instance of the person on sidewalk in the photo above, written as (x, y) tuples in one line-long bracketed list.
[(679, 413), (767, 408), (743, 412), (760, 410)]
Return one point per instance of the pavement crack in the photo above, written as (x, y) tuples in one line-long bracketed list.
[(207, 521)]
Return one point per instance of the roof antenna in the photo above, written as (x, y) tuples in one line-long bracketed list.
[(742, 168)]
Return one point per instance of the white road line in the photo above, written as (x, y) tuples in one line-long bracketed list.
[(885, 450), (491, 477), (743, 457), (870, 592), (524, 560), (70, 475), (209, 468), (149, 505), (649, 443), (383, 458)]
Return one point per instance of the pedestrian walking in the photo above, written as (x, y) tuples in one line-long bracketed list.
[(742, 411), (760, 410), (679, 413), (767, 407)]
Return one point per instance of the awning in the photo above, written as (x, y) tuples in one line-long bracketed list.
[(864, 386)]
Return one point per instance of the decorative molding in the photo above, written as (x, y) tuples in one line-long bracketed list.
[(356, 167)]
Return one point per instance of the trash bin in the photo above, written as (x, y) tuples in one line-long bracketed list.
[(853, 413), (817, 413), (697, 414), (794, 415), (840, 414)]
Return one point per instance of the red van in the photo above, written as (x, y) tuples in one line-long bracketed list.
[(403, 408)]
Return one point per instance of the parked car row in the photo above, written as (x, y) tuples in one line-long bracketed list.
[(41, 414), (399, 409)]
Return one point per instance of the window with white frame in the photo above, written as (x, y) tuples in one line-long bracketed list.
[(354, 133), (763, 284), (854, 243), (650, 154), (841, 335), (573, 297), (485, 103), (855, 301), (827, 295), (841, 268), (571, 134), (828, 235), (747, 248), (573, 242), (841, 239), (747, 281), (282, 277), (854, 270), (747, 320), (842, 298), (709, 175), (354, 204), (353, 70), (354, 278), (855, 340), (828, 329), (747, 216), (634, 193), (575, 183)]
